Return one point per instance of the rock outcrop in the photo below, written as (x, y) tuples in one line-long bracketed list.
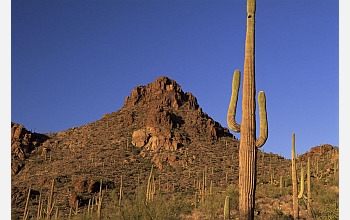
[(171, 117), (23, 142)]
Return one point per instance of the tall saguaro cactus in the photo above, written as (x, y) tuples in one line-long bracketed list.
[(308, 185), (294, 181), (248, 142)]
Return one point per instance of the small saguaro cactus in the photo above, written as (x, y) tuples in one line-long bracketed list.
[(248, 143), (50, 201), (227, 208), (149, 195), (281, 184), (121, 191), (196, 200), (302, 180)]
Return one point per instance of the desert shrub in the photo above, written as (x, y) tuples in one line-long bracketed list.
[(162, 207), (329, 212), (268, 190), (328, 201), (278, 214), (233, 193), (333, 180), (134, 150), (214, 204), (15, 215), (321, 194), (61, 181), (211, 205), (288, 182)]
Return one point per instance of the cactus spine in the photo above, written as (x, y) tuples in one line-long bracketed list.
[(248, 142)]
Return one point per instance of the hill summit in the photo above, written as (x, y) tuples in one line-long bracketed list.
[(158, 116), (166, 117)]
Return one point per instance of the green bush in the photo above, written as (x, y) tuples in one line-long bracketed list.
[(214, 204), (162, 207), (328, 200)]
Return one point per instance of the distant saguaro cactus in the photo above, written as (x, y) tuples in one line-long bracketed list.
[(248, 142), (227, 208), (308, 185), (296, 196), (149, 195), (302, 180), (281, 185)]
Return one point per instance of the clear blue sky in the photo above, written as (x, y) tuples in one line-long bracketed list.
[(73, 61)]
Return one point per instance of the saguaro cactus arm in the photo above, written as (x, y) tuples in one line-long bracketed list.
[(231, 114), (263, 120)]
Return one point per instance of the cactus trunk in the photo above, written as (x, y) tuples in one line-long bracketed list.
[(248, 142), (247, 150)]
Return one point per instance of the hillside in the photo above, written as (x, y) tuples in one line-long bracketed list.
[(160, 130)]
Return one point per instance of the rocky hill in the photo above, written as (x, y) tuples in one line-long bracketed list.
[(160, 130)]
